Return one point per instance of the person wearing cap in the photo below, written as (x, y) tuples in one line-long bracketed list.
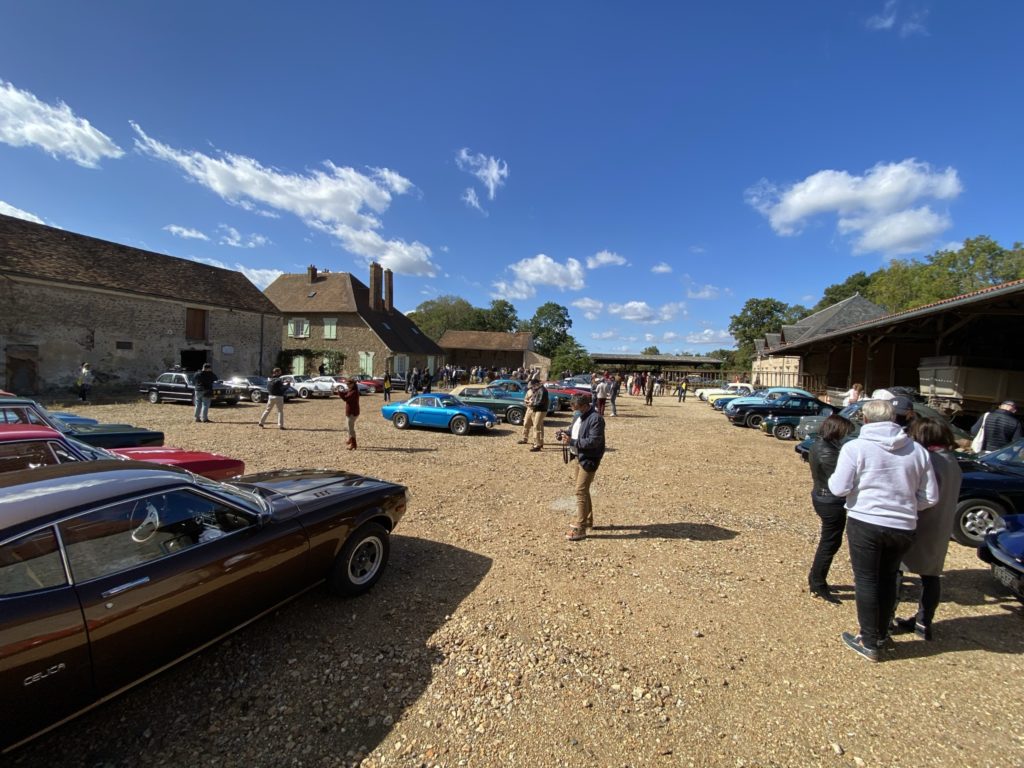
[(1001, 427), (203, 383), (602, 392), (537, 402), (585, 440), (276, 386), (886, 479)]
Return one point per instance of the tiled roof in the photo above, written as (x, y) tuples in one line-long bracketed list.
[(46, 253), (851, 310), (341, 292), (490, 340), (982, 294)]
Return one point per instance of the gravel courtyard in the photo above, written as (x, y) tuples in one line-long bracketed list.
[(680, 633)]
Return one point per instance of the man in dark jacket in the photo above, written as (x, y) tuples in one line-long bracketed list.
[(351, 397), (585, 439), (1001, 427), (203, 383), (275, 398)]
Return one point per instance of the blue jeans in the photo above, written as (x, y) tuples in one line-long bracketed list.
[(202, 402), (875, 554)]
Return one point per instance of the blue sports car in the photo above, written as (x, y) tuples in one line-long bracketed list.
[(440, 411), (1003, 549)]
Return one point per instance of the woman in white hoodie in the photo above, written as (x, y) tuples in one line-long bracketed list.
[(886, 478)]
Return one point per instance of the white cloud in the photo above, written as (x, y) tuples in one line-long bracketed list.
[(539, 270), (339, 201), (9, 210), (876, 208), (661, 268), (261, 278), (604, 335), (26, 121), (703, 292), (649, 337), (670, 336), (884, 20), (491, 171), (604, 258), (711, 336), (591, 307), (696, 249), (642, 312), (185, 233), (890, 18), (470, 198), (233, 238)]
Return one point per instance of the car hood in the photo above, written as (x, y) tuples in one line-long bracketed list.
[(477, 411), (164, 454), (107, 429), (1010, 540), (298, 484)]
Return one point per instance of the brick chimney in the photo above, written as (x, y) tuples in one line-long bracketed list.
[(389, 291), (311, 271), (376, 302)]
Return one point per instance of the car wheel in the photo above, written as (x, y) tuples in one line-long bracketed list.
[(400, 420), (154, 397), (975, 518), (256, 396), (754, 420), (784, 432), (459, 425), (303, 393), (361, 561), (515, 416)]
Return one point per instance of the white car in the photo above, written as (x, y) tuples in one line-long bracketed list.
[(318, 386), (739, 389)]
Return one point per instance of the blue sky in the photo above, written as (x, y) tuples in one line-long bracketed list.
[(650, 166)]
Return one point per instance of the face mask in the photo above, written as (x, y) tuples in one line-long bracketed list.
[(577, 414)]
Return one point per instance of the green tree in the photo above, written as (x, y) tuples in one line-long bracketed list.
[(436, 316), (856, 283), (651, 351), (758, 317), (727, 356), (550, 326), (501, 317), (570, 356)]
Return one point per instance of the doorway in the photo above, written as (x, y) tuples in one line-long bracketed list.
[(193, 359)]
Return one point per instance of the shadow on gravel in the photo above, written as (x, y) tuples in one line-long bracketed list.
[(321, 682), (1000, 633), (974, 586), (696, 531)]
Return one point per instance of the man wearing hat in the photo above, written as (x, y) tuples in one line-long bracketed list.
[(536, 402), (585, 441), (1001, 427), (886, 478)]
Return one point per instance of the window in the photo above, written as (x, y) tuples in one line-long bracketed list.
[(124, 345), (31, 563), (21, 415), (401, 365), (330, 328), (165, 378), (298, 366), (366, 363), (298, 328), (26, 455), (132, 533), (195, 324)]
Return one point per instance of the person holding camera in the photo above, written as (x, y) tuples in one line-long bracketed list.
[(585, 442)]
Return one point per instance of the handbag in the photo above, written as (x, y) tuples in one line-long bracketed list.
[(979, 439)]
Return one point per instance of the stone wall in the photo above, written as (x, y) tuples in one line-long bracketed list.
[(47, 331)]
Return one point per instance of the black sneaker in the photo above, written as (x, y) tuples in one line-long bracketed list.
[(856, 644), (824, 593)]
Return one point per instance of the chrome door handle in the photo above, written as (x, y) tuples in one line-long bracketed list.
[(125, 587)]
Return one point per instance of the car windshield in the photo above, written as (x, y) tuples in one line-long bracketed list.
[(1011, 457), (256, 381), (240, 494), (92, 452), (448, 401), (300, 379)]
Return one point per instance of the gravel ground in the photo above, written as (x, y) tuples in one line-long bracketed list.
[(680, 634)]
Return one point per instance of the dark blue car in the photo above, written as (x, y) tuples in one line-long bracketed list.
[(1004, 551), (992, 490)]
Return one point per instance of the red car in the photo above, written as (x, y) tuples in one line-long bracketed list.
[(28, 447)]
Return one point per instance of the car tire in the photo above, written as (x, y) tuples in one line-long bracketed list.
[(459, 425), (400, 420), (754, 420), (974, 518), (256, 396), (783, 432), (154, 397), (515, 416), (361, 561), (303, 393)]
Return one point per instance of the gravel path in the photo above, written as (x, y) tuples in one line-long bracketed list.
[(680, 634)]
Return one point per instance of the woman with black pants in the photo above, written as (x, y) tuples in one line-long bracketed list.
[(831, 509)]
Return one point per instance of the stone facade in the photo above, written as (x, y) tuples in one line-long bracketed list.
[(48, 330)]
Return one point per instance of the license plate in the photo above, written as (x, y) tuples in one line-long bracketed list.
[(1006, 577)]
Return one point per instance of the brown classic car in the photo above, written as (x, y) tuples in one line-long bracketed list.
[(111, 571)]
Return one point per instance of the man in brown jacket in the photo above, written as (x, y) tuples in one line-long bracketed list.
[(350, 394)]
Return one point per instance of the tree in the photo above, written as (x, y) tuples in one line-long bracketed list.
[(436, 316), (651, 351), (758, 317), (570, 356), (856, 283), (501, 316), (727, 356), (550, 326)]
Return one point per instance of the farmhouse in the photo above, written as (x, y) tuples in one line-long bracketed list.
[(493, 349), (332, 317), (66, 299)]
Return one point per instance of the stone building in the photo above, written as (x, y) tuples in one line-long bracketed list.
[(331, 313), (66, 299), (493, 349)]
